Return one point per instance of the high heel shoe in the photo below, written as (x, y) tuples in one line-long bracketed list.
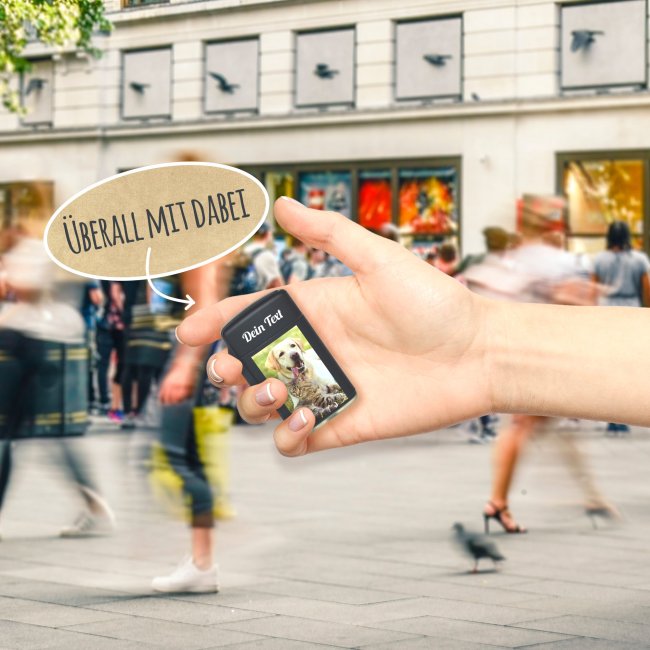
[(606, 512), (498, 515)]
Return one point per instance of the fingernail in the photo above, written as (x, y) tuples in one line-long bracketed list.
[(298, 421), (178, 338), (264, 396), (288, 198), (213, 374)]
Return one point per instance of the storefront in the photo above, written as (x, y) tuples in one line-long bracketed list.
[(420, 197), (601, 187)]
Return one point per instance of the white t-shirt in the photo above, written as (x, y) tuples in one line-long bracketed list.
[(265, 263)]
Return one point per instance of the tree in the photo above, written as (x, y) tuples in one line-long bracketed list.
[(57, 23)]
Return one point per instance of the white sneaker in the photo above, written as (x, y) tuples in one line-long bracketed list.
[(188, 578), (88, 524), (100, 522)]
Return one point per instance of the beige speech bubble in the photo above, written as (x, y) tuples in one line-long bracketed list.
[(188, 213)]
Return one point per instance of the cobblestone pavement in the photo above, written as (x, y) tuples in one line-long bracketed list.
[(346, 549)]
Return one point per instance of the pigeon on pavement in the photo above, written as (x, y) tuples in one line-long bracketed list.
[(476, 546)]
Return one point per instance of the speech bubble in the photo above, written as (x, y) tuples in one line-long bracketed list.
[(188, 214)]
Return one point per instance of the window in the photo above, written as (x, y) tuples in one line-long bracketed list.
[(600, 190), (603, 44), (427, 200), (36, 92), (428, 59), (325, 68), (139, 3), (231, 76), (146, 83), (419, 197)]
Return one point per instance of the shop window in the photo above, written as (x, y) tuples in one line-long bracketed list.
[(278, 183), (36, 91), (428, 200), (603, 44), (146, 83), (428, 59), (231, 76), (325, 68), (326, 191), (375, 202), (599, 192)]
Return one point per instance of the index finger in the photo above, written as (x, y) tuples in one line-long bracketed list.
[(359, 249)]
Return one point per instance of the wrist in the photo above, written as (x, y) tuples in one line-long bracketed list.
[(502, 324)]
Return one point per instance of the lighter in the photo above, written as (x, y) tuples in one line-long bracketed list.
[(273, 338)]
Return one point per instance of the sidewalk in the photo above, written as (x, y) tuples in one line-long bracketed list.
[(346, 549)]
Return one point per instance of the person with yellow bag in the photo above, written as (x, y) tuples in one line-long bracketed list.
[(192, 426)]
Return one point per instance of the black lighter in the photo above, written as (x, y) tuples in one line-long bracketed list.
[(273, 338)]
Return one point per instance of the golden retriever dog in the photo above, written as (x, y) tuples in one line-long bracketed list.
[(308, 381)]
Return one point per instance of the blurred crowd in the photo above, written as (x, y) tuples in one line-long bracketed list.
[(133, 372)]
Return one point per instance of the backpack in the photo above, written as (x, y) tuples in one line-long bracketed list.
[(244, 278), (286, 269)]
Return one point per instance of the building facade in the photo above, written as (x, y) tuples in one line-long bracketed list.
[(436, 115)]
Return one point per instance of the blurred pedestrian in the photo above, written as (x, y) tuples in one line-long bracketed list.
[(31, 328), (296, 266), (147, 344), (262, 257), (537, 271), (90, 304), (446, 260), (180, 389), (110, 349), (625, 273)]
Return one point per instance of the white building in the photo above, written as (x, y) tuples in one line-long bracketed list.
[(441, 111)]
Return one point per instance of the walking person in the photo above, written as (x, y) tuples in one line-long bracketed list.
[(32, 326), (110, 347), (180, 389), (625, 274)]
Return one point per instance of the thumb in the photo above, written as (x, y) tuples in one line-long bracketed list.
[(358, 248)]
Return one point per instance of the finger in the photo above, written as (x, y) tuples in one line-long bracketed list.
[(224, 370), (292, 436), (358, 248), (257, 403), (205, 325)]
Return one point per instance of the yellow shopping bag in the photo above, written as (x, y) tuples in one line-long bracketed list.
[(212, 427)]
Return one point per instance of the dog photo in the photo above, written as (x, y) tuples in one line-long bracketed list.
[(292, 360)]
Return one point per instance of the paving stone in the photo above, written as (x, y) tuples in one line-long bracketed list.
[(593, 627), (46, 614), (508, 637), (302, 629), (429, 642), (176, 610), (587, 643), (279, 644), (164, 634)]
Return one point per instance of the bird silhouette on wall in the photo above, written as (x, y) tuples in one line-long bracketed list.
[(323, 71), (437, 60), (224, 85), (581, 39), (139, 87), (35, 84)]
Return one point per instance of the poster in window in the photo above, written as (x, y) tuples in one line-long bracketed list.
[(427, 200), (375, 198), (326, 191)]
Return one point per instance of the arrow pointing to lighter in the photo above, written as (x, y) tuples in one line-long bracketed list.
[(188, 303)]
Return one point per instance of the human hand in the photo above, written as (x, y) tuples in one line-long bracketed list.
[(178, 383), (410, 339)]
